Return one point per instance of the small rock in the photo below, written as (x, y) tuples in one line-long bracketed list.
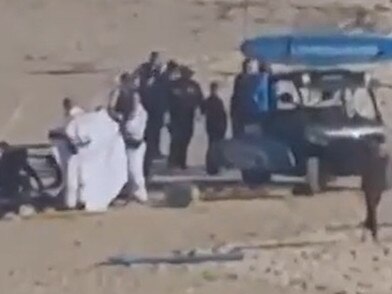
[(10, 216), (364, 285), (231, 277), (321, 288), (77, 243), (386, 251), (26, 211)]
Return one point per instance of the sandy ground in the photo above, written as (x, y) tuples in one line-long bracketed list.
[(57, 255)]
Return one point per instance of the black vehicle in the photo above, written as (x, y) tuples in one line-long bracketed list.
[(321, 128)]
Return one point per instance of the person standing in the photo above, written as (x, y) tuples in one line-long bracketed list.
[(61, 148), (185, 97), (155, 100), (216, 123), (133, 129), (241, 92), (120, 100), (151, 68)]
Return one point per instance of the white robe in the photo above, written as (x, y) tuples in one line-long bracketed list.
[(98, 172), (135, 127), (60, 148)]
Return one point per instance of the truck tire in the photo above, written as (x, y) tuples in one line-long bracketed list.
[(255, 177), (315, 179)]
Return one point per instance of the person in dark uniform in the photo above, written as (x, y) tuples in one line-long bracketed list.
[(121, 99), (155, 101), (240, 92), (15, 172), (185, 97), (151, 68), (216, 122)]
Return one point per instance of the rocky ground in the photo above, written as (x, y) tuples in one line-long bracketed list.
[(52, 49)]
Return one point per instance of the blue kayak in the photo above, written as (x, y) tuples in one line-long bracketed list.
[(311, 49)]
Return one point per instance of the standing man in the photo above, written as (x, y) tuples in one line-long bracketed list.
[(156, 95), (216, 123), (120, 100), (185, 97), (151, 68), (61, 148), (133, 129), (71, 109), (241, 92)]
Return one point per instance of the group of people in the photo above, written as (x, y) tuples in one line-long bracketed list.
[(144, 101), (101, 151)]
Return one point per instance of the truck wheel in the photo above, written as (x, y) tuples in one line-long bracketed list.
[(316, 178), (255, 177)]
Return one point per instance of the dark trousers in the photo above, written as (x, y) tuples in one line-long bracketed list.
[(181, 136), (153, 133), (238, 126), (210, 160)]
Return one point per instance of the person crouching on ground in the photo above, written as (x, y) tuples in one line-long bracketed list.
[(133, 128), (216, 123)]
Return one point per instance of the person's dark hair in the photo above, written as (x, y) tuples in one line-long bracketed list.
[(4, 145), (172, 65), (125, 77), (154, 55), (214, 86), (67, 102), (262, 67), (186, 72)]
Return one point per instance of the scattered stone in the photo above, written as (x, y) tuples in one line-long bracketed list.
[(10, 216), (321, 288), (77, 243), (209, 276), (364, 285), (231, 277), (26, 211), (353, 253)]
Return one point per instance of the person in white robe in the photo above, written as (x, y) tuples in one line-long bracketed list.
[(133, 128), (97, 172), (60, 145)]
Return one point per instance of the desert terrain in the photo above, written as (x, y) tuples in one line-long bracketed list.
[(52, 49)]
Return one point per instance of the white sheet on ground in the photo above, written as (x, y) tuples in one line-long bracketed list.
[(98, 172)]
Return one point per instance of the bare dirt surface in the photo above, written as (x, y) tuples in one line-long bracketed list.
[(52, 49)]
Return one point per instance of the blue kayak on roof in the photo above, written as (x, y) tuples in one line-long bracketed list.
[(320, 49)]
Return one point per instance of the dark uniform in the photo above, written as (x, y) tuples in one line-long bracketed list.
[(15, 172), (236, 109), (374, 182), (185, 97), (216, 126), (216, 119)]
